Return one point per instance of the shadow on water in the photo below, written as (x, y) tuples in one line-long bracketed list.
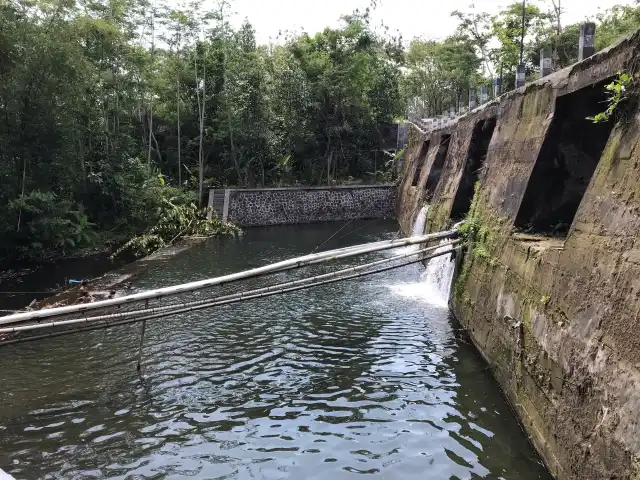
[(361, 376), (22, 283)]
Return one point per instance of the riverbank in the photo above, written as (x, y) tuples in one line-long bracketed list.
[(164, 231), (23, 282), (102, 274)]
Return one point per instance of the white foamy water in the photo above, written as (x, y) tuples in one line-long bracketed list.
[(420, 222), (439, 274), (435, 284), (415, 290), (417, 230)]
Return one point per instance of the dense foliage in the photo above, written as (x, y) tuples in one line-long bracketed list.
[(439, 74), (101, 99), (112, 108), (174, 221)]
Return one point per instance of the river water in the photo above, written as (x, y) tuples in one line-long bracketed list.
[(358, 377)]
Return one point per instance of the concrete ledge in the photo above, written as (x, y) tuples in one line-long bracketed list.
[(312, 189)]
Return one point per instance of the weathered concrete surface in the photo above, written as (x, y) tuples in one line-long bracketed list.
[(281, 206), (557, 318)]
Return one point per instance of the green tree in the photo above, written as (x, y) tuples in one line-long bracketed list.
[(616, 22), (440, 74), (507, 29)]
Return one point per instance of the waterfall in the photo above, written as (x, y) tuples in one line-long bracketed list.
[(417, 230), (420, 222), (439, 275), (435, 283)]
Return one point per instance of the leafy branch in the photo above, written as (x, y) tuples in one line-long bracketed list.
[(175, 221), (617, 92)]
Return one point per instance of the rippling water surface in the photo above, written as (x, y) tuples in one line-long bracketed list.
[(358, 377)]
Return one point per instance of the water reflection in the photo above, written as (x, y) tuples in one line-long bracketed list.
[(348, 378)]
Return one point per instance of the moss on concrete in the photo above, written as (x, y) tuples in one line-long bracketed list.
[(556, 318)]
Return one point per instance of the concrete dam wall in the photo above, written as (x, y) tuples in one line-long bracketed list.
[(284, 206), (549, 290)]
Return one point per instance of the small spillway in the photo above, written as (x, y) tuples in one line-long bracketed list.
[(436, 279), (439, 276), (420, 222), (417, 230)]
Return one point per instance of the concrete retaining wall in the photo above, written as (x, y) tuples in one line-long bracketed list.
[(282, 206), (555, 315)]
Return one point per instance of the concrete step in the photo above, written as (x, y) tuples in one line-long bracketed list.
[(217, 201)]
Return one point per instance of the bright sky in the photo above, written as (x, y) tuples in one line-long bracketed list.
[(414, 18)]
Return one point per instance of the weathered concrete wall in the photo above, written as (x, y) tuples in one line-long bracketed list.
[(556, 317), (281, 206)]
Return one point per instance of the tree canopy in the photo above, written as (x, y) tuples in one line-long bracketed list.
[(438, 73), (112, 107)]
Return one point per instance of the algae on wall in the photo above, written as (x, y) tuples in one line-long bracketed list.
[(555, 315)]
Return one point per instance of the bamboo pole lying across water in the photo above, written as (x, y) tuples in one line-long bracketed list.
[(169, 309), (293, 263), (215, 303)]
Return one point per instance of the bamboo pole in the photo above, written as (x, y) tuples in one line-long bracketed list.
[(169, 309), (142, 330), (104, 325), (289, 264), (144, 327)]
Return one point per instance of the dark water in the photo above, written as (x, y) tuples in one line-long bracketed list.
[(25, 282), (356, 378)]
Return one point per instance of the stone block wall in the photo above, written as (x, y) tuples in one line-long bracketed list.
[(555, 316), (282, 206)]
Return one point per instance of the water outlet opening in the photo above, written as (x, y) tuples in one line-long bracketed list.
[(476, 156), (420, 163), (567, 160), (438, 165)]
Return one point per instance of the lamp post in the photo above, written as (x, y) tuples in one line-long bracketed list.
[(520, 72), (524, 14)]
